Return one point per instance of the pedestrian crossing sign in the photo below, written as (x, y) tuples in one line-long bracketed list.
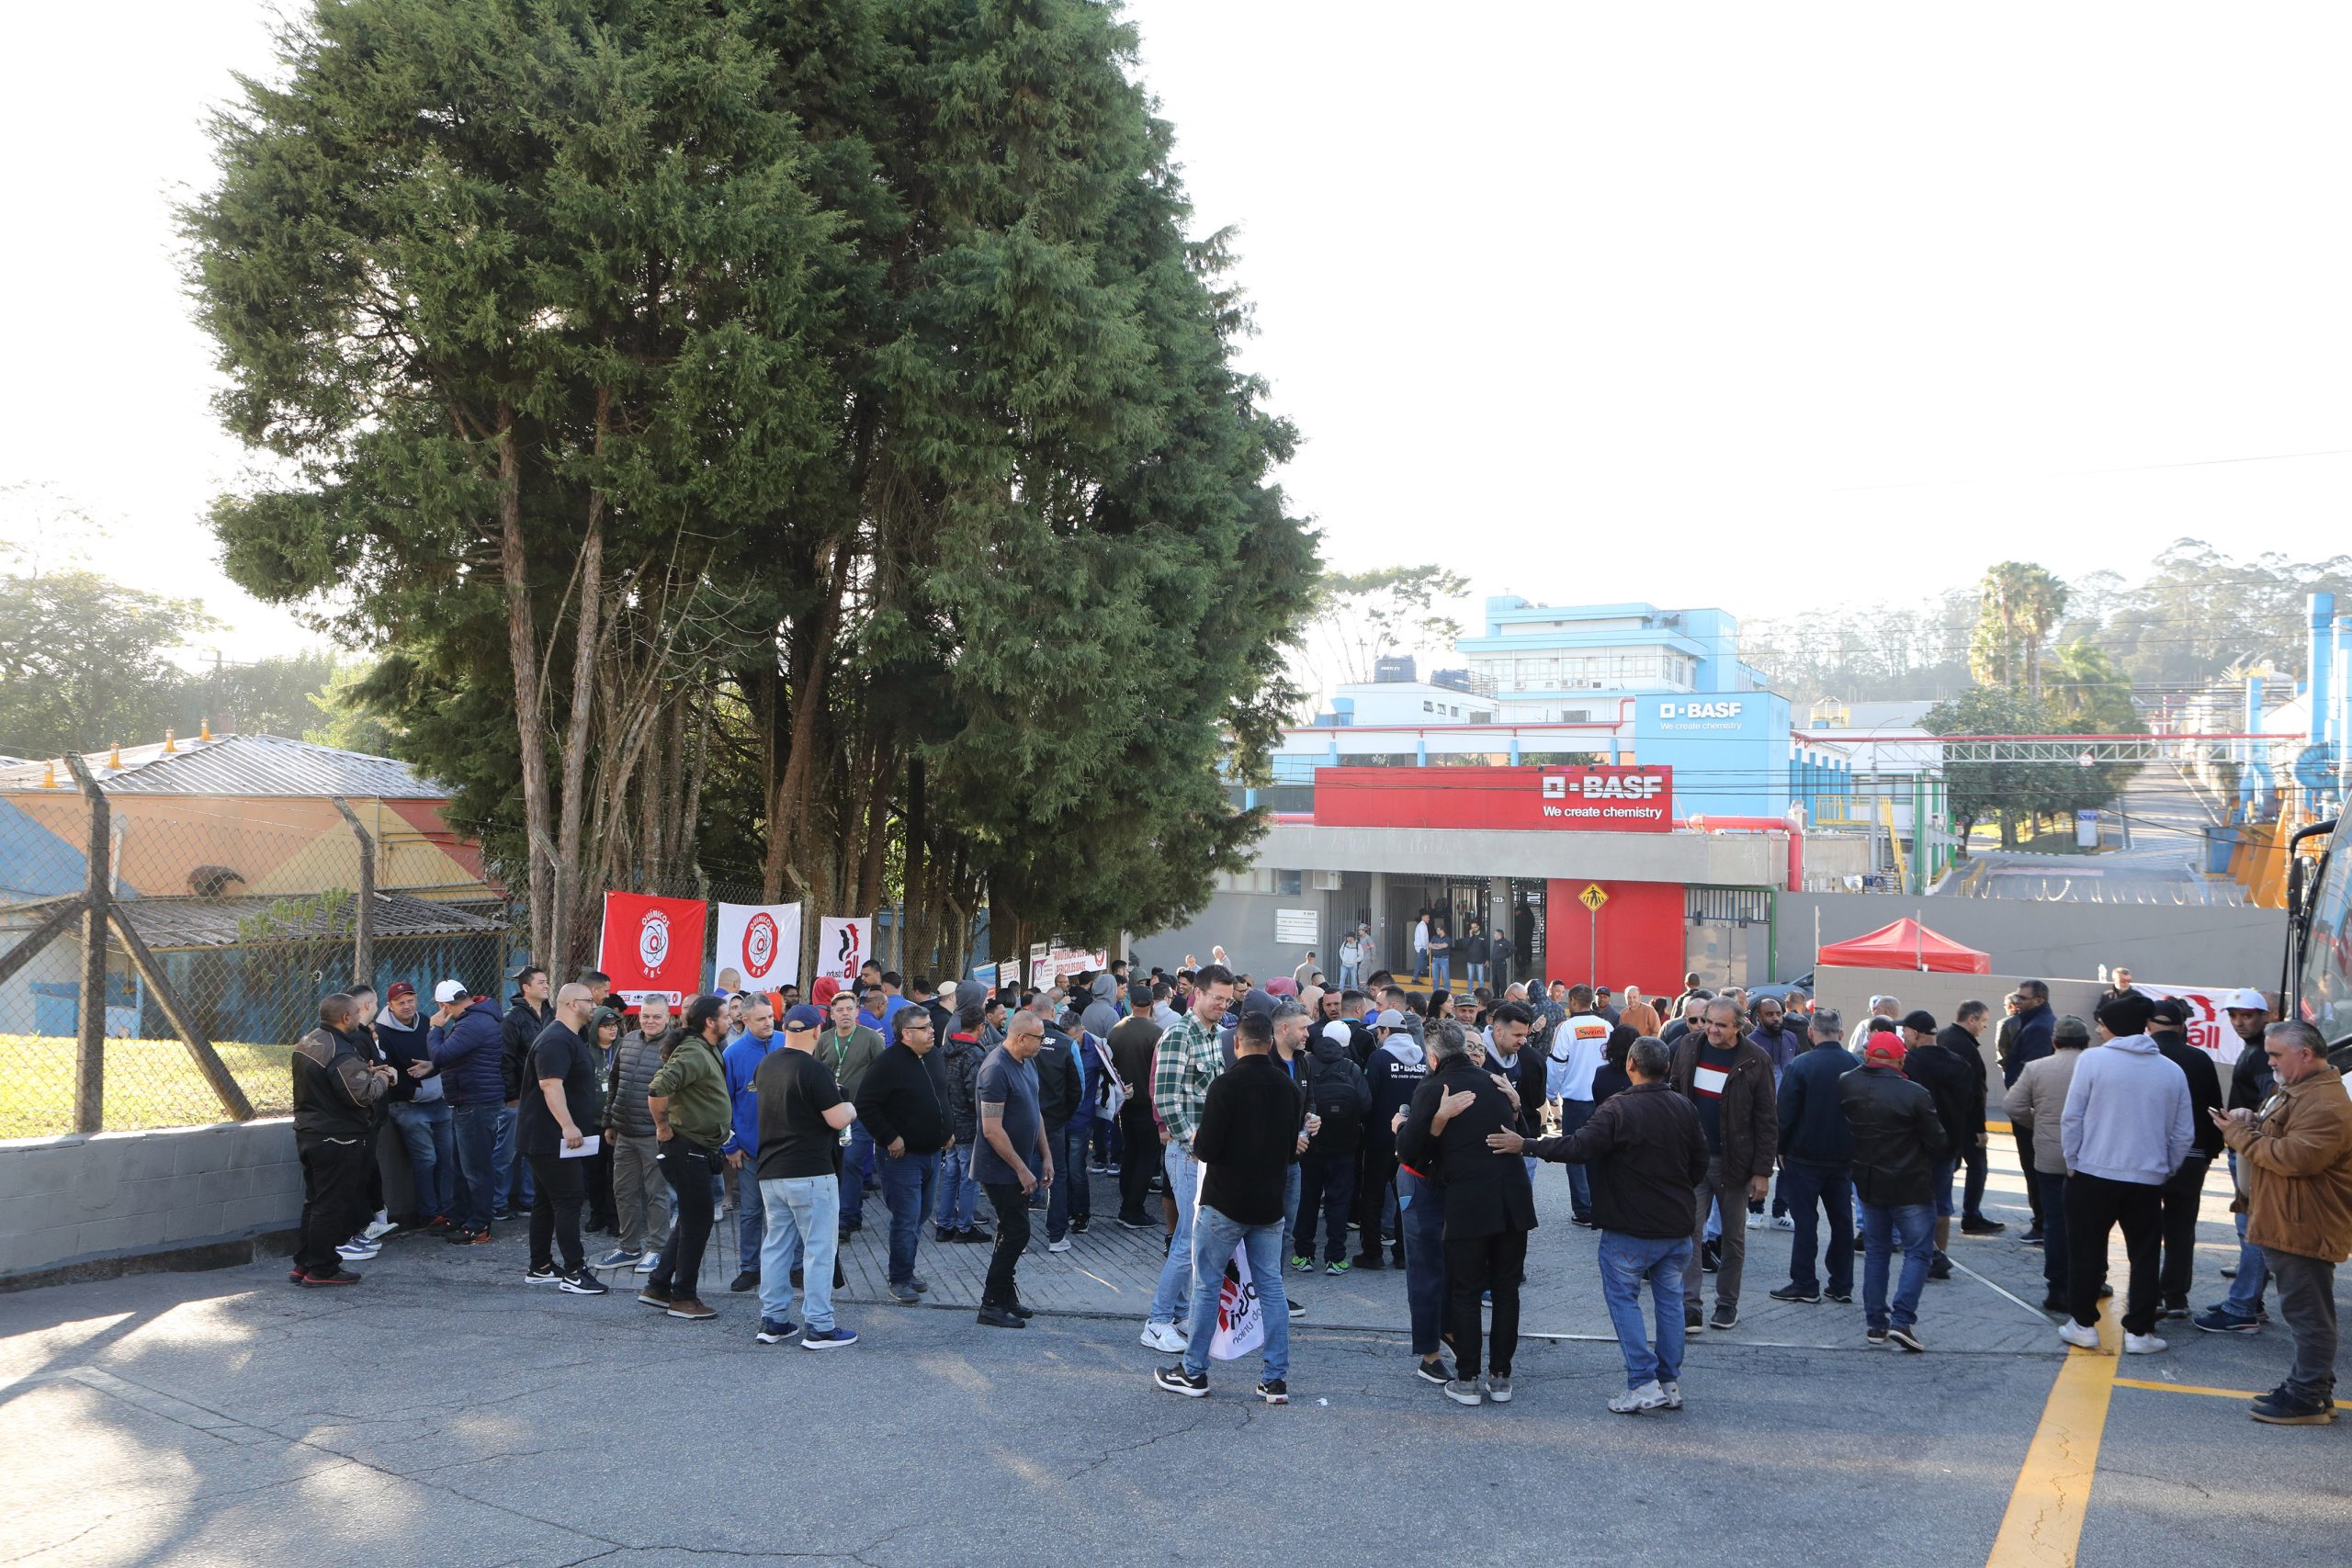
[(1593, 896)]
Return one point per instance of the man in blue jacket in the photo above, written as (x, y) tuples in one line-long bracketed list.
[(1817, 1160), (743, 1059), (465, 1041)]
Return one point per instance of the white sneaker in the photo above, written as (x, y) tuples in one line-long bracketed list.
[(1673, 1391), (1756, 1221), (1784, 1222), (1164, 1336), (2143, 1345), (1062, 1245), (649, 1262), (357, 1251), (379, 1227), (1633, 1401), (2074, 1333)]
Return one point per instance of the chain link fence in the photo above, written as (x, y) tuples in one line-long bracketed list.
[(169, 990)]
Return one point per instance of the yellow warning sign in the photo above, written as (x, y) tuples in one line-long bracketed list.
[(1593, 896)]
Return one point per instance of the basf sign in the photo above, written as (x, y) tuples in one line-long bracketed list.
[(1597, 799)]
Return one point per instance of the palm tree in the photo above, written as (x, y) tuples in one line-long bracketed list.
[(2018, 604)]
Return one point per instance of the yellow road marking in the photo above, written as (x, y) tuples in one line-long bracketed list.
[(2187, 1388), (2044, 1521)]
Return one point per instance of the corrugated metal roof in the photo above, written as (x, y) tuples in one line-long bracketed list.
[(224, 922), (239, 765)]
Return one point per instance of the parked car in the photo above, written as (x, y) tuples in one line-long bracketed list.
[(1778, 989)]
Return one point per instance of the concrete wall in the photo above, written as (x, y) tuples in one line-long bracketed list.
[(2171, 944), (1243, 923), (89, 1198)]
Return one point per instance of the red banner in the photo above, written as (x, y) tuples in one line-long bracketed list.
[(1607, 799), (652, 947)]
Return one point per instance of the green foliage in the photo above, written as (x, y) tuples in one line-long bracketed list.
[(2012, 792), (2019, 604), (1361, 615), (85, 664), (867, 334)]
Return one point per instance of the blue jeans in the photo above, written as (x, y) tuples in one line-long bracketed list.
[(1293, 1184), (857, 1160), (473, 1137), (1573, 1114), (803, 1219), (910, 1186), (514, 1190), (1214, 1237), (1916, 1223), (1174, 1296), (1831, 1186), (1420, 1224), (1946, 1169), (2050, 1187), (425, 1133), (2245, 1298), (1351, 976), (1625, 1262), (1477, 973), (751, 1214), (959, 1195), (1441, 973)]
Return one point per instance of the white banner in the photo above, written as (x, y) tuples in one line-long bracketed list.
[(1240, 1320), (1041, 964), (2209, 1022), (843, 946), (762, 943)]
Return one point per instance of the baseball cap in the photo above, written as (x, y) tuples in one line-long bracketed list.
[(1260, 1001), (803, 1017), (1338, 1032), (2070, 1029), (1884, 1047), (1390, 1019), (449, 992), (2169, 1009), (2243, 1000), (400, 988), (1921, 1019)]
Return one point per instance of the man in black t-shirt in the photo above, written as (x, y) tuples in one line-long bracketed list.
[(560, 1099), (803, 1116)]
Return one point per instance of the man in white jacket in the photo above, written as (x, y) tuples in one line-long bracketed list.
[(2125, 1130)]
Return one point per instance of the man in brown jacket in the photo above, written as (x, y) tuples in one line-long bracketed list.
[(1729, 1078), (2295, 1165)]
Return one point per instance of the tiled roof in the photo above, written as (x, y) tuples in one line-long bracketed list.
[(238, 765), (225, 922)]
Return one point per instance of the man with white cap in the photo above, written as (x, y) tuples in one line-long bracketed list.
[(465, 1041)]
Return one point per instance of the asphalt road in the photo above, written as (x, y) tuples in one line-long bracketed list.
[(445, 1413)]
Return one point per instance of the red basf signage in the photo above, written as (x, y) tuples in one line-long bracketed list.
[(652, 947), (1609, 799)]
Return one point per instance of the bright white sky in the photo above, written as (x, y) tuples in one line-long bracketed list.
[(1764, 307)]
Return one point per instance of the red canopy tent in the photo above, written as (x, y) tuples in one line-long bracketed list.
[(1907, 944)]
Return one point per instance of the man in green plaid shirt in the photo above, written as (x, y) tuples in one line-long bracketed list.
[(1188, 1059)]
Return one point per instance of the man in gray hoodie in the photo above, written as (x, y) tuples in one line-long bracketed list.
[(1102, 1014), (2124, 1131)]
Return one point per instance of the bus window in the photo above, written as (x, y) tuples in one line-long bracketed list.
[(2327, 951)]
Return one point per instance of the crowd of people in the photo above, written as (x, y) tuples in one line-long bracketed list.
[(1294, 1125)]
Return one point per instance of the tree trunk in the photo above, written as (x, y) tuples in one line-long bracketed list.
[(522, 653), (571, 895), (808, 697)]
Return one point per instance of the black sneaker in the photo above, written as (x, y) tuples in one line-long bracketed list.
[(1176, 1380), (978, 1232), (1273, 1390), (1440, 1372), (1694, 1320), (1138, 1225), (1711, 1257), (1906, 1337), (1810, 1297), (1078, 1223), (2174, 1309), (1297, 1307), (1843, 1298), (1726, 1318), (2032, 1236), (580, 1282), (2280, 1408), (541, 1274), (999, 1317), (1941, 1268), (1981, 1226), (1369, 1260), (1875, 1336), (749, 1280)]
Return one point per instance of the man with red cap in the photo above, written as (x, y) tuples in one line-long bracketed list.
[(1899, 1148)]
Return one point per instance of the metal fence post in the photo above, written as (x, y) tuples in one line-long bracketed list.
[(98, 894), (363, 939)]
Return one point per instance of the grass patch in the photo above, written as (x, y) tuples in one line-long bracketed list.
[(148, 1083)]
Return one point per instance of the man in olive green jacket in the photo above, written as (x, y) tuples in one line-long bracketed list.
[(692, 1115)]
